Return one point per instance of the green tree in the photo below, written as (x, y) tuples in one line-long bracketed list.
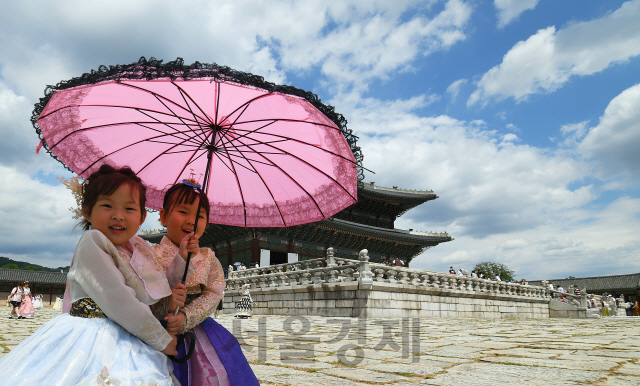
[(10, 266), (491, 270), (29, 268)]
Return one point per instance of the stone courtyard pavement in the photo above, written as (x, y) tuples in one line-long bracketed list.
[(321, 351)]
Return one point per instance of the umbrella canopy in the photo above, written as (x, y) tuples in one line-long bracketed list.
[(278, 156)]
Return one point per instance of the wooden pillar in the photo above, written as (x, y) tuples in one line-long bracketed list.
[(50, 293), (255, 251), (229, 253)]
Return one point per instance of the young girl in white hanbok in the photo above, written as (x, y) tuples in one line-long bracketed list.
[(109, 336)]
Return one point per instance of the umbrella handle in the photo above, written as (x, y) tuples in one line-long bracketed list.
[(192, 346)]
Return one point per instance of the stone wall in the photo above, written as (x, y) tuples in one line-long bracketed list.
[(385, 300), (348, 288)]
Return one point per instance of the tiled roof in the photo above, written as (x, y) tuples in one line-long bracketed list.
[(600, 284), (34, 277)]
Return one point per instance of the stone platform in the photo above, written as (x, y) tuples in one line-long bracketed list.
[(318, 351), (338, 287)]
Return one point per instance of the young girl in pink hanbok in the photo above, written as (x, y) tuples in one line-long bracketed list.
[(109, 336), (218, 358)]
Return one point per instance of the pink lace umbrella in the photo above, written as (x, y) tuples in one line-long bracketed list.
[(275, 155)]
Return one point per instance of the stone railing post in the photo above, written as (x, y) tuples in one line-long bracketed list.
[(583, 298), (331, 262), (379, 274), (365, 278)]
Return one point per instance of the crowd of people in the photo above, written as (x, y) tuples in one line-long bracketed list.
[(22, 303)]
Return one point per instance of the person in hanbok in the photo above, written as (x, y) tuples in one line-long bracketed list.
[(15, 298), (58, 303), (218, 358), (37, 302), (109, 335), (605, 306), (26, 307), (244, 308), (614, 306)]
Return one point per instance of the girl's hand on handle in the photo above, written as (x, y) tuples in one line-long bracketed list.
[(174, 323), (188, 244), (171, 347), (178, 297)]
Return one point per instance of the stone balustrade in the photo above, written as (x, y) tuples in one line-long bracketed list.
[(445, 282), (369, 275), (278, 268), (339, 287)]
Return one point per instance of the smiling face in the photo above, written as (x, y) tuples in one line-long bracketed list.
[(180, 220), (118, 215)]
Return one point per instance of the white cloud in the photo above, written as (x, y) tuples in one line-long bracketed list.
[(372, 44), (367, 40), (454, 88), (488, 182), (616, 139), (36, 223), (547, 60), (573, 132), (509, 10), (576, 242)]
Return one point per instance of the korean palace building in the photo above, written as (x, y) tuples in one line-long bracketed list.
[(370, 224)]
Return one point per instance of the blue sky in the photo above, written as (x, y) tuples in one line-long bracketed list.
[(522, 115)]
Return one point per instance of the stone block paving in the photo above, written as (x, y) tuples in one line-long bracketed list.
[(319, 351)]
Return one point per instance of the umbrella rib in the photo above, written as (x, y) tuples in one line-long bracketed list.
[(140, 109), (261, 142), (218, 89), (117, 124), (231, 125), (189, 162), (185, 94), (181, 120), (246, 158), (179, 117), (289, 120), (316, 168), (243, 106), (150, 139), (225, 165), (235, 162), (164, 133), (155, 94), (295, 182), (285, 138), (122, 148), (244, 204), (263, 182)]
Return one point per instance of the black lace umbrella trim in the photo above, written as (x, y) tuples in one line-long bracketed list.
[(154, 69)]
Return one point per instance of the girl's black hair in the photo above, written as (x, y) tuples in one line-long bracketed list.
[(184, 194)]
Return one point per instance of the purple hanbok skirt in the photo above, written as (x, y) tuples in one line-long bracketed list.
[(218, 359)]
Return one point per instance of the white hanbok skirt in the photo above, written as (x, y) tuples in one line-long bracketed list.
[(69, 350), (37, 303), (58, 304)]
